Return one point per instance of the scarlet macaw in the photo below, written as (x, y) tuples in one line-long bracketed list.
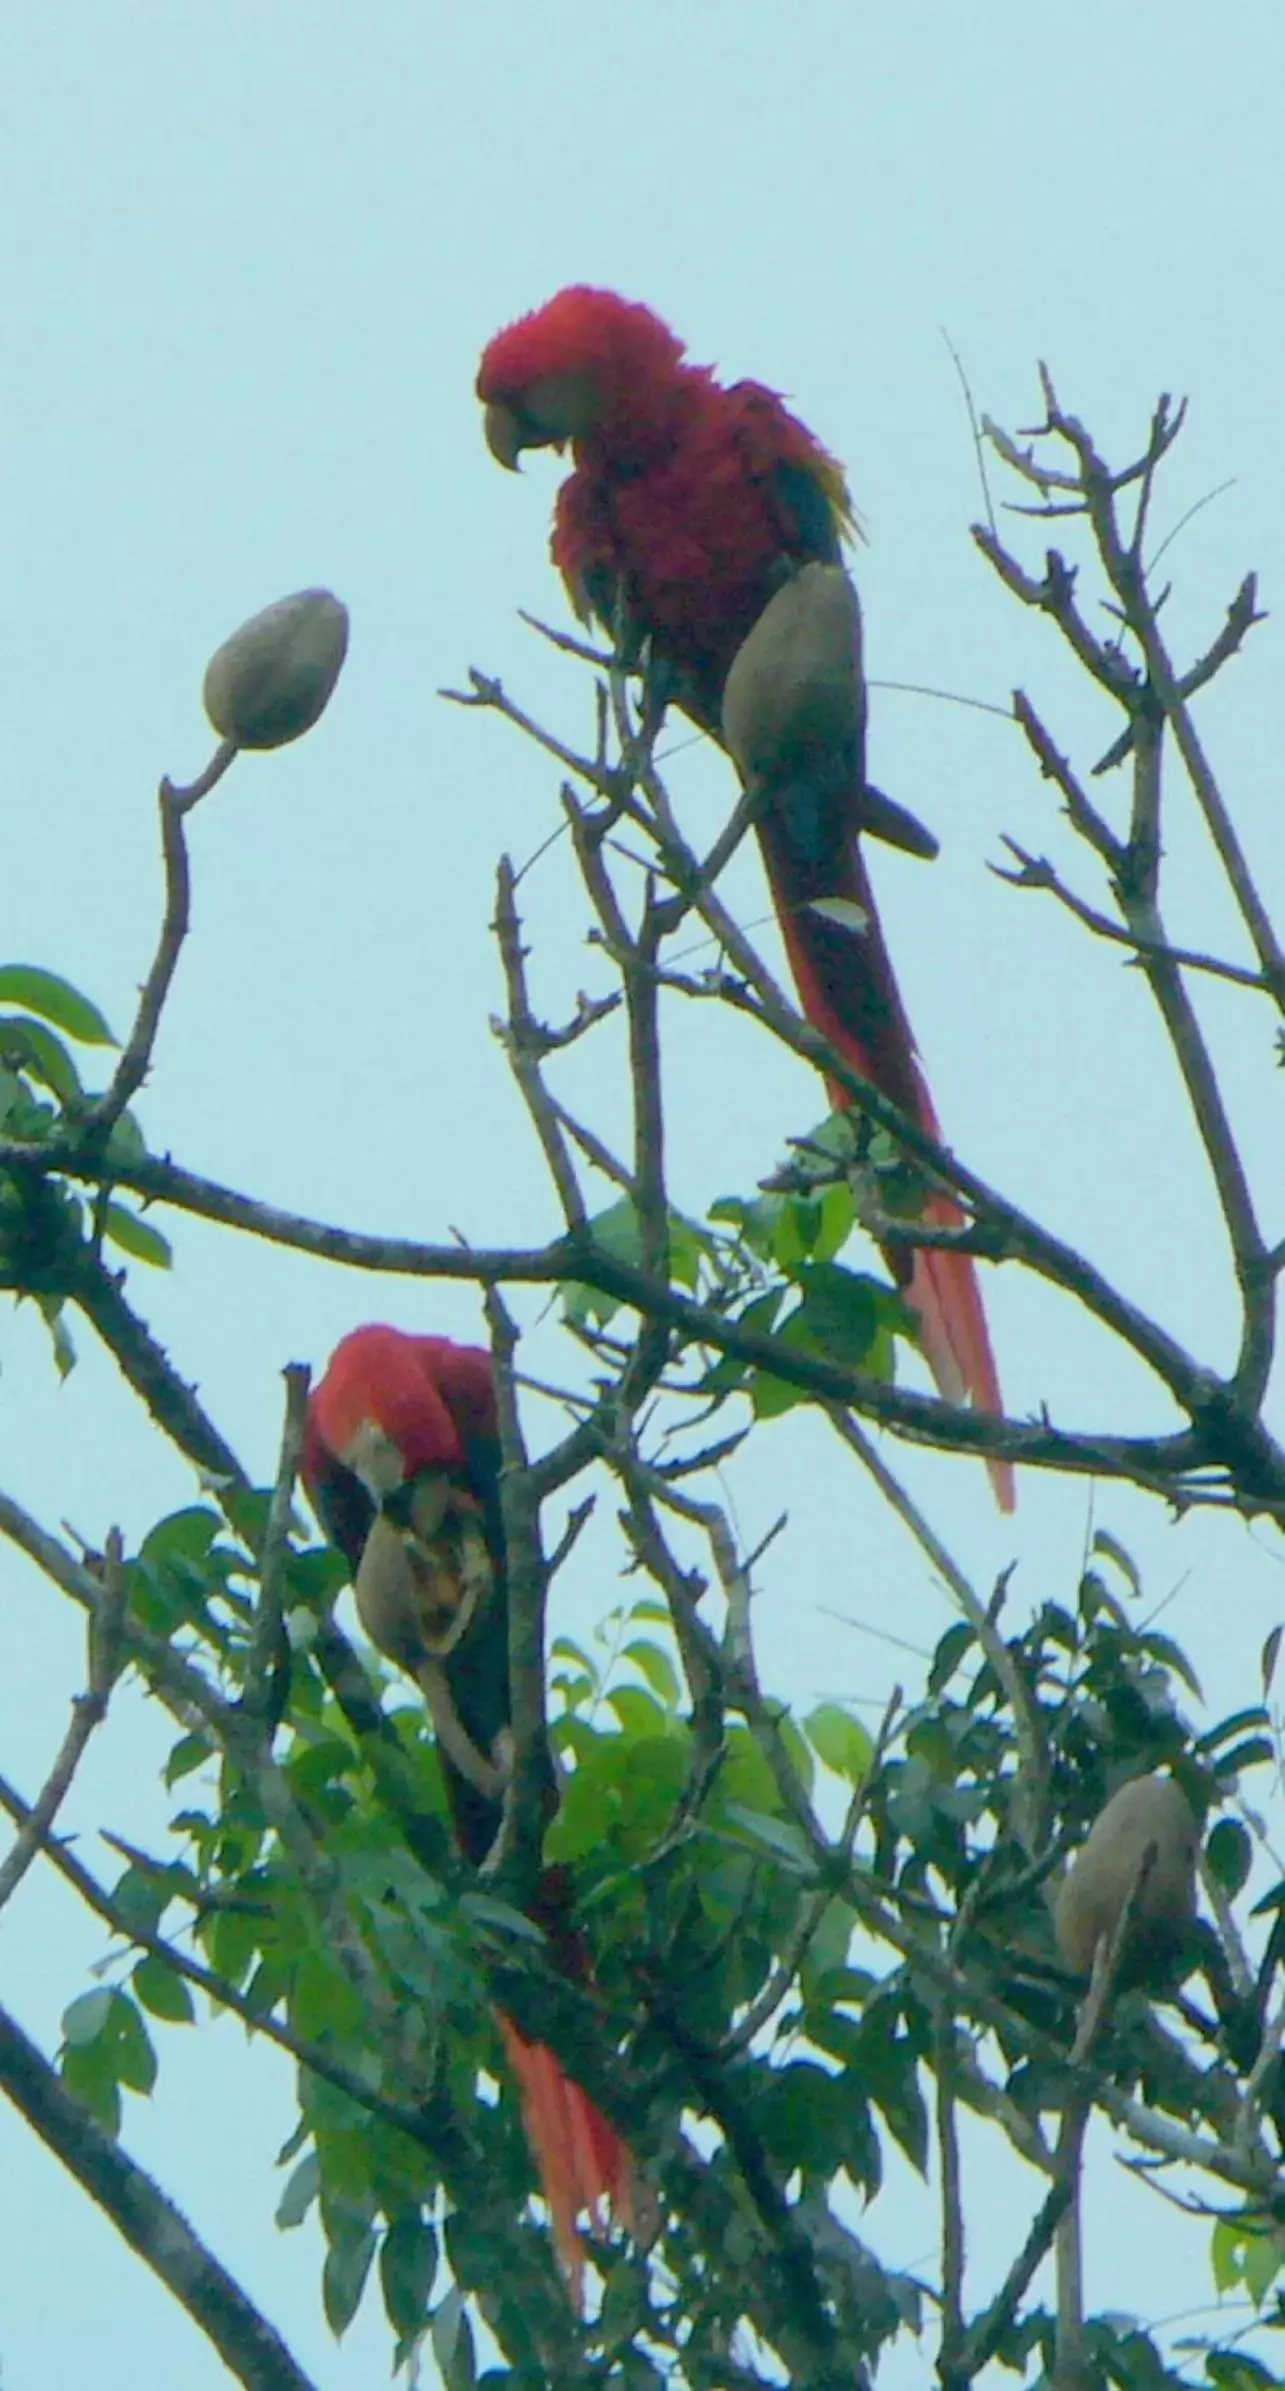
[(689, 507), (401, 1459)]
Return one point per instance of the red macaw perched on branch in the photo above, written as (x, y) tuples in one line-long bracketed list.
[(401, 1459), (690, 507)]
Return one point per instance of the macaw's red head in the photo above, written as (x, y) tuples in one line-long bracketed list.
[(391, 1406), (399, 1458), (589, 367)]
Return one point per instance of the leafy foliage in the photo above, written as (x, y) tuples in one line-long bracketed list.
[(786, 1987), (45, 1226)]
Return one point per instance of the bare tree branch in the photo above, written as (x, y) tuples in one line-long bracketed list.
[(88, 1711), (249, 2346)]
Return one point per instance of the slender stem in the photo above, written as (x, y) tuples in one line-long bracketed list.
[(87, 1712), (136, 1057), (269, 1653)]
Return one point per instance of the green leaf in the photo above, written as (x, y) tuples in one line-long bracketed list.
[(300, 2192), (453, 2342), (126, 1143), (1253, 1753), (407, 2266), (1111, 1551), (617, 1233), (562, 1648), (32, 1048), (1171, 1656), (823, 1971), (838, 1211), (755, 1222), (639, 1712), (107, 2022), (802, 2115), (55, 1000), (85, 2018), (771, 1396), (51, 1309), (132, 2044), (688, 1247), (1245, 2251), (343, 2279), (1230, 1854), (658, 1669), (840, 1741), (137, 1237), (142, 1895), (1237, 1724), (189, 1752), (163, 1991), (500, 1917), (798, 1221), (780, 1836), (620, 1795), (88, 2073), (844, 1314), (948, 1655), (798, 1750), (232, 1940), (1237, 2371), (728, 1375)]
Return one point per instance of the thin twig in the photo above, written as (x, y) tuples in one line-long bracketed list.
[(175, 804), (524, 1043), (88, 1711), (1035, 871), (269, 1651), (515, 1858)]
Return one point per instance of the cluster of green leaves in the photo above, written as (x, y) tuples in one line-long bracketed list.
[(705, 1903), (1105, 1694), (770, 1262), (44, 1223)]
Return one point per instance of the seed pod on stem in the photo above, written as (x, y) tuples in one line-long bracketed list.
[(273, 678)]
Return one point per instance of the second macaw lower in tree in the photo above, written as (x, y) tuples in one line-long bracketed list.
[(691, 508), (401, 1460)]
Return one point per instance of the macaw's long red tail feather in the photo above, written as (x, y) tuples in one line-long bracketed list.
[(847, 990), (581, 2159)]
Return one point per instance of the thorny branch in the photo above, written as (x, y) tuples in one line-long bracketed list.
[(1134, 665), (250, 2347), (132, 1069), (104, 1637)]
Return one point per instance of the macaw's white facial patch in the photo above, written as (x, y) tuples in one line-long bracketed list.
[(372, 1456)]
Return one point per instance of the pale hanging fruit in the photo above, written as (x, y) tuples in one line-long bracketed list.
[(795, 688), (272, 679), (1149, 1813), (794, 712)]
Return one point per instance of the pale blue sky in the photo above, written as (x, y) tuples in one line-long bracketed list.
[(248, 255)]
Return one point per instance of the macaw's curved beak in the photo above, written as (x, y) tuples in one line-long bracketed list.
[(506, 435)]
